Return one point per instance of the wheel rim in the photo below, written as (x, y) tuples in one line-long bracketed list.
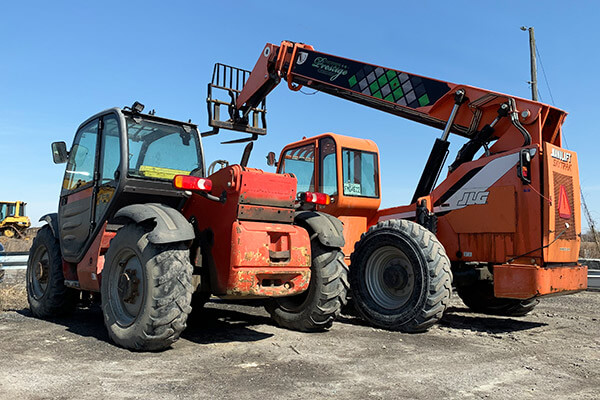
[(126, 287), (9, 233), (40, 272), (389, 277)]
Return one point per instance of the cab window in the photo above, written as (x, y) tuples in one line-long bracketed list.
[(80, 166), (360, 173), (160, 151), (328, 178), (301, 162), (111, 149)]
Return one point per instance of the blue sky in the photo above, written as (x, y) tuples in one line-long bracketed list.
[(61, 62)]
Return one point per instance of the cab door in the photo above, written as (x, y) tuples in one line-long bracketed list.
[(75, 205), (108, 167)]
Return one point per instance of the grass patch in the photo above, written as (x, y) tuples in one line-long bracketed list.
[(13, 297)]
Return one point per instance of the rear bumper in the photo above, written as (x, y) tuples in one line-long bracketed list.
[(268, 259), (514, 281)]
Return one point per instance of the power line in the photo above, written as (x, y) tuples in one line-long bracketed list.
[(545, 77), (588, 216)]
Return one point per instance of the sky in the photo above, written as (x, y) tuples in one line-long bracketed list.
[(61, 62)]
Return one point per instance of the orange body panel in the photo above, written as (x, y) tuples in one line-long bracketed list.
[(251, 246), (561, 171), (487, 214), (526, 281), (354, 227), (354, 212)]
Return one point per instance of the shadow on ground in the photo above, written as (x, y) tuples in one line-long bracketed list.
[(212, 324), (217, 323), (455, 318)]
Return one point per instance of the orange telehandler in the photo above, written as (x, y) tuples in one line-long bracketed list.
[(504, 227)]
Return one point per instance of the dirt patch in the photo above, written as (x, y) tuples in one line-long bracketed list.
[(234, 351), (15, 244)]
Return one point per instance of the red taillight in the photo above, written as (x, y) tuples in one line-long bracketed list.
[(187, 182), (316, 198)]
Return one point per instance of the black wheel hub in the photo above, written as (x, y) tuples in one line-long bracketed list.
[(128, 286), (395, 277), (41, 272)]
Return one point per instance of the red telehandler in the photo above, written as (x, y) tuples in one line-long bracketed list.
[(503, 227), (143, 222)]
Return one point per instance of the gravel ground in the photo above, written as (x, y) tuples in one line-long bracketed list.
[(234, 351)]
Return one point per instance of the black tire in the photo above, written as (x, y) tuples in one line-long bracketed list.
[(316, 308), (146, 290), (400, 277), (46, 291), (479, 297)]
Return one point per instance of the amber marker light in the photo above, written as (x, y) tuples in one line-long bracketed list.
[(188, 182)]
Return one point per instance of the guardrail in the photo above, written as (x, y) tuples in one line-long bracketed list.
[(593, 279), (14, 259), (18, 260), (592, 263)]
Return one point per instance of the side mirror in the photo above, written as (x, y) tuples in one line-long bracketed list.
[(271, 159), (59, 152)]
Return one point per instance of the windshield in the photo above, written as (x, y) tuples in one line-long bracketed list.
[(360, 173), (160, 151), (301, 162)]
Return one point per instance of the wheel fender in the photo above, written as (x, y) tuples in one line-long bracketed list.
[(329, 229), (170, 225), (52, 220)]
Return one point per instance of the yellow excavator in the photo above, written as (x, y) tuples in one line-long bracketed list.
[(13, 221)]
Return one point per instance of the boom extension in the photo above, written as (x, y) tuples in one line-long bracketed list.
[(421, 99), (425, 100)]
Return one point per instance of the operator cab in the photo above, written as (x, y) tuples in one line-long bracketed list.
[(121, 157), (345, 168)]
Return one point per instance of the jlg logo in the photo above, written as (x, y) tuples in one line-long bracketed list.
[(472, 198)]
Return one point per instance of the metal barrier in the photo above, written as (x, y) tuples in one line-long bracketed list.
[(14, 259), (593, 279)]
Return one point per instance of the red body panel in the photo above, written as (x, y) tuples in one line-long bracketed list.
[(252, 246), (89, 270)]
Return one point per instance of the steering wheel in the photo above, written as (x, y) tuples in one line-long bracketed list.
[(211, 167)]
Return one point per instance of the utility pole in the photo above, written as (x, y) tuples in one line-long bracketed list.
[(533, 82)]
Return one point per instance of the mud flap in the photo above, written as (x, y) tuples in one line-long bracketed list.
[(329, 229), (52, 220), (170, 225)]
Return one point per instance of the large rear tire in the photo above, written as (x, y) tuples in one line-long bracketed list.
[(400, 277), (479, 297), (46, 291), (316, 308), (146, 290)]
